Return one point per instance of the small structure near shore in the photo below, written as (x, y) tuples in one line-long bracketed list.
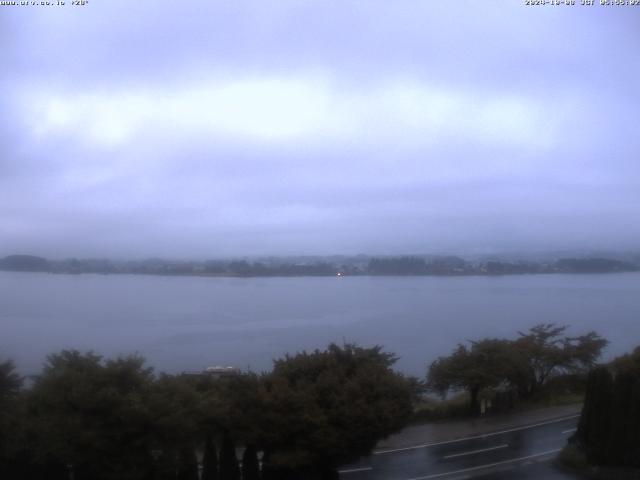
[(216, 372)]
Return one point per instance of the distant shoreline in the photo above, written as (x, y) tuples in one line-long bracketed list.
[(368, 275), (404, 266)]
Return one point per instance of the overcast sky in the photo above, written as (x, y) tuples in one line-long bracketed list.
[(212, 128)]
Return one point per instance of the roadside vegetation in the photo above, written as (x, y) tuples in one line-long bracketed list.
[(541, 367), (91, 418), (88, 417), (607, 441)]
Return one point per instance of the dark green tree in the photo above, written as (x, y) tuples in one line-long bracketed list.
[(187, 464), (12, 417), (485, 364), (10, 381), (329, 407), (594, 424), (624, 445), (525, 364), (92, 415), (228, 461), (233, 404), (545, 351), (269, 470), (250, 466), (209, 460), (173, 404), (609, 427)]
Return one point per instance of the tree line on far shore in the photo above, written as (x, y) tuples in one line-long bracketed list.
[(320, 266)]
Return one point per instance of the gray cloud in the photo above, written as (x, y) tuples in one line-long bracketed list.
[(216, 128)]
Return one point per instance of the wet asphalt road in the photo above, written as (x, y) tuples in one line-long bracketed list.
[(525, 452)]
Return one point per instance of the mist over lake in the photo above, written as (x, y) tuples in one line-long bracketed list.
[(188, 323)]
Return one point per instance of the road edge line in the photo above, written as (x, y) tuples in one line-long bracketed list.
[(475, 437), (488, 465)]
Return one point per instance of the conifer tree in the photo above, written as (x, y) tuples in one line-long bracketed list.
[(228, 462), (187, 464), (594, 426), (250, 466), (210, 460)]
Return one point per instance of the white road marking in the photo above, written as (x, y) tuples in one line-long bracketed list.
[(472, 452), (354, 470), (568, 431), (488, 465), (475, 437)]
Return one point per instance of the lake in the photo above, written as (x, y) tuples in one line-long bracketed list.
[(188, 323)]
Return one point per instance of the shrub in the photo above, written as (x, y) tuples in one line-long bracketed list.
[(572, 457)]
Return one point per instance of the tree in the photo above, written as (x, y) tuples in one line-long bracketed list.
[(209, 460), (485, 364), (250, 466), (609, 427), (232, 404), (174, 405), (228, 462), (594, 424), (526, 363), (543, 352), (91, 414), (10, 381), (328, 407), (11, 419), (625, 433), (187, 464)]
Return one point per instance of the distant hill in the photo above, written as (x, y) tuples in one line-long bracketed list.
[(321, 266), (24, 263), (593, 265)]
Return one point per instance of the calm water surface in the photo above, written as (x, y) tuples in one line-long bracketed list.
[(187, 323)]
